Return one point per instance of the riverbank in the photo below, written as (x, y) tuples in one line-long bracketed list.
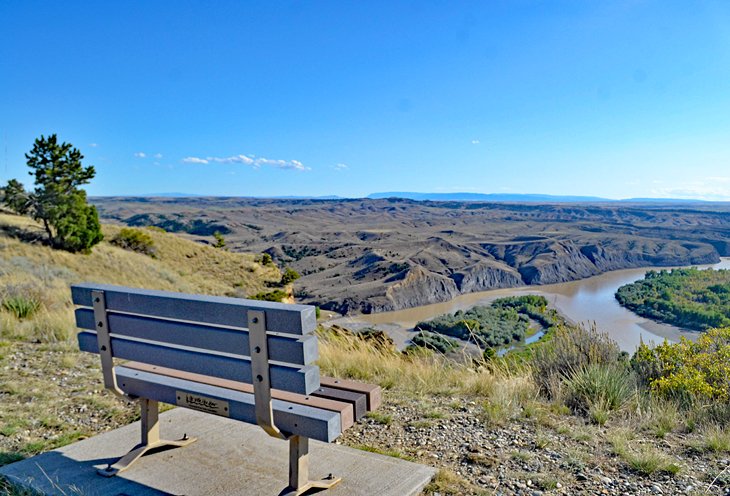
[(587, 301)]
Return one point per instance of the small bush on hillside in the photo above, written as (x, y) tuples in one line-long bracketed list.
[(276, 295), (571, 349), (220, 242), (290, 275), (21, 306), (598, 389), (135, 240), (690, 373), (266, 260), (22, 301)]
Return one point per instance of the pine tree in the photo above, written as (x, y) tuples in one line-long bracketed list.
[(69, 221)]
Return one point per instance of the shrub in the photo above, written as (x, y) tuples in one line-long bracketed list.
[(135, 240), (276, 295), (571, 349), (597, 389), (690, 373), (290, 275), (22, 301), (220, 242), (21, 306), (266, 260)]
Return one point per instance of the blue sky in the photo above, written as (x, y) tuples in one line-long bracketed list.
[(614, 99)]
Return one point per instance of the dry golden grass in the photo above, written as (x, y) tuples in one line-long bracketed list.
[(52, 393), (348, 356), (181, 265)]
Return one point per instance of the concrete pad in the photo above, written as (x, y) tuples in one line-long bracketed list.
[(229, 458)]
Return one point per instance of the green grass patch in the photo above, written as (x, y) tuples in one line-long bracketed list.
[(380, 418)]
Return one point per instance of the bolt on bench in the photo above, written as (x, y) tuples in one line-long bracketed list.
[(248, 360)]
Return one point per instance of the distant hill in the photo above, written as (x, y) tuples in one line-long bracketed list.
[(488, 197), (410, 195), (519, 198), (384, 254)]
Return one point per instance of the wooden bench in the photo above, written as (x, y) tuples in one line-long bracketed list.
[(248, 360)]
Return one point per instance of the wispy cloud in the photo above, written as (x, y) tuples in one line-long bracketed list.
[(194, 160), (475, 142), (715, 188), (93, 145), (140, 154), (249, 160), (340, 167), (157, 156)]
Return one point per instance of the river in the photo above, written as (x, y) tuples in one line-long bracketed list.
[(584, 301)]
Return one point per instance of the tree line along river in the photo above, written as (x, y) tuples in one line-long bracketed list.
[(584, 301)]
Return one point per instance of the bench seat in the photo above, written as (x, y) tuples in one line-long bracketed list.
[(323, 425)]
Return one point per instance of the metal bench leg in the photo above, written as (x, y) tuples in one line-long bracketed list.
[(150, 439), (299, 482)]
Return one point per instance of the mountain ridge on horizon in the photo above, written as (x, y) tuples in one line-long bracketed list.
[(458, 196)]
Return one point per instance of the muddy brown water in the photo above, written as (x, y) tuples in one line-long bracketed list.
[(585, 301)]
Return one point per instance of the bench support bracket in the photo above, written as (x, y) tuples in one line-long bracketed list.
[(150, 439), (299, 482), (104, 342), (260, 373)]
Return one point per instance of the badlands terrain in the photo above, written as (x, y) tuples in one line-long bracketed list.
[(370, 255)]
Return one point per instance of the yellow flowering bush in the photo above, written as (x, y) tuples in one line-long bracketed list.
[(690, 372)]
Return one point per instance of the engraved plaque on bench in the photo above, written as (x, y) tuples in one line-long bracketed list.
[(202, 403)]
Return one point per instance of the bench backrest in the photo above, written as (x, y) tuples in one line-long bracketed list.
[(201, 334)]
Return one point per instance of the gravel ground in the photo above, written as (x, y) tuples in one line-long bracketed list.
[(548, 454)]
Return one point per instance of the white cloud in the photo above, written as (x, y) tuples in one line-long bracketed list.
[(236, 159), (158, 155), (250, 161), (340, 167), (475, 142), (93, 145), (194, 160), (140, 154)]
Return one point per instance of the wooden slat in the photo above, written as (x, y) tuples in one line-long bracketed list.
[(323, 425), (347, 416), (302, 380), (357, 400), (372, 392), (289, 348), (219, 310)]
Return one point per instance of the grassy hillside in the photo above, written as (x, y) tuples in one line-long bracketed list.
[(51, 394), (44, 274)]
